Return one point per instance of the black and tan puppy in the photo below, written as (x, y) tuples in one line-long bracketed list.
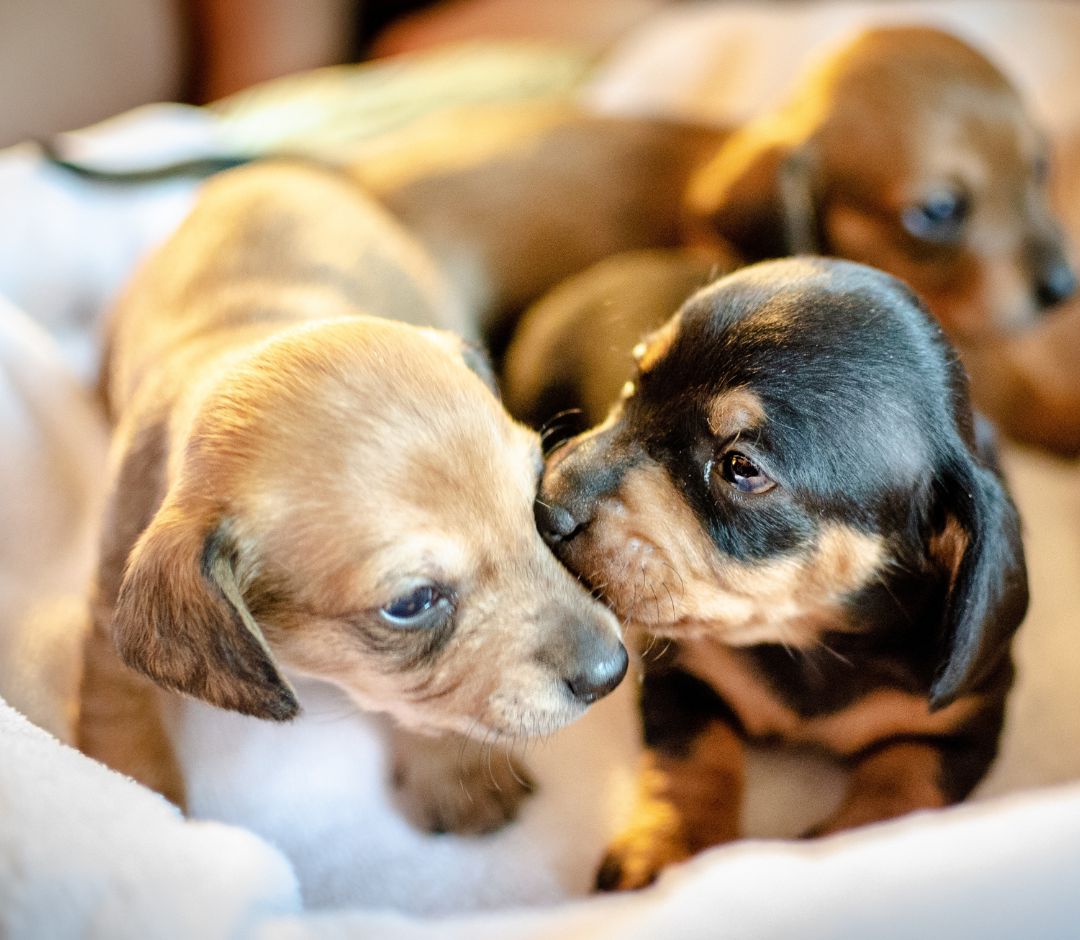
[(792, 491)]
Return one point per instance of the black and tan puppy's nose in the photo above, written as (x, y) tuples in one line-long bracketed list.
[(1056, 283), (556, 523), (599, 675)]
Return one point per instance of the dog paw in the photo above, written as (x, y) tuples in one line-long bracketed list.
[(636, 859), (451, 786)]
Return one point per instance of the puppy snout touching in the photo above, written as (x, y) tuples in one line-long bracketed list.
[(588, 659), (1056, 282), (599, 672), (555, 522)]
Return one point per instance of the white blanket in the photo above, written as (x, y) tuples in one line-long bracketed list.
[(85, 853)]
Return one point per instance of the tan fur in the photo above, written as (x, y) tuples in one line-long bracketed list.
[(898, 779), (286, 464), (509, 221), (1029, 385), (877, 716), (120, 721), (734, 411), (650, 351), (661, 570), (685, 804), (489, 786)]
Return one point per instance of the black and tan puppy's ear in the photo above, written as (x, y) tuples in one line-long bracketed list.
[(181, 619), (758, 196), (981, 548)]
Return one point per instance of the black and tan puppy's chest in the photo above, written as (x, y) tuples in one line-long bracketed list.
[(791, 491)]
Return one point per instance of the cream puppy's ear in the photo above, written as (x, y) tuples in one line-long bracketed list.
[(181, 619), (475, 356)]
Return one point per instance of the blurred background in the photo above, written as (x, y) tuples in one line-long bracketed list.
[(68, 63)]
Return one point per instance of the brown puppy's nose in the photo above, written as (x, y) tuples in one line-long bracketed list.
[(1056, 282), (555, 522), (599, 673)]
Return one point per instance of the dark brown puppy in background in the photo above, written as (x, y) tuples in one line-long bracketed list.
[(304, 491), (906, 149), (792, 491)]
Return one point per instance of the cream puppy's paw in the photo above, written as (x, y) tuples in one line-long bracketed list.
[(454, 784)]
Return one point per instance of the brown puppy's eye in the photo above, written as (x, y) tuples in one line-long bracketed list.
[(938, 218), (743, 474)]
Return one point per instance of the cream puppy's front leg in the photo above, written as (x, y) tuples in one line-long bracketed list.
[(451, 783)]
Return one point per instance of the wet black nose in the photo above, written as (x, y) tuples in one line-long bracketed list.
[(599, 676), (556, 523), (1055, 284)]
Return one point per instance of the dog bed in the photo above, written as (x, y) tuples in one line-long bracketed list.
[(86, 852)]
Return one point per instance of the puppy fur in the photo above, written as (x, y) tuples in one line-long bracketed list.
[(792, 494), (570, 355), (906, 149), (911, 152), (300, 488)]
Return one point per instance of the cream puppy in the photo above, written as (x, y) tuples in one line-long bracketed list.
[(302, 490)]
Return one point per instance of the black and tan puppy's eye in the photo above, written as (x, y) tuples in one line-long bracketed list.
[(938, 218), (742, 473), (422, 608)]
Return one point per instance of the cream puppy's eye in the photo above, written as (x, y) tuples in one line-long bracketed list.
[(422, 608), (742, 473)]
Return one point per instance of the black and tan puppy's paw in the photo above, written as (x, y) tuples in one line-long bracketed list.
[(637, 857), (452, 784)]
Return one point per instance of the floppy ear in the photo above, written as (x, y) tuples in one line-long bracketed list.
[(759, 197), (181, 619), (981, 549)]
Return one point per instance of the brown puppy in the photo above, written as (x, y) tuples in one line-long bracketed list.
[(792, 491), (1030, 384), (303, 490), (906, 150), (911, 152)]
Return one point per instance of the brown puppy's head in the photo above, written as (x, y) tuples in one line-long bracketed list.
[(353, 504), (795, 459), (909, 151)]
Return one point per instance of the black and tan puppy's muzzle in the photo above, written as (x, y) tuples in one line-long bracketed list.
[(579, 475)]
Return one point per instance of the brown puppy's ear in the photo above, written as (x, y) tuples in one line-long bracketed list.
[(981, 549), (759, 197), (180, 618)]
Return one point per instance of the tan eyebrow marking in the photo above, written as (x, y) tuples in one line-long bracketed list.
[(733, 411)]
